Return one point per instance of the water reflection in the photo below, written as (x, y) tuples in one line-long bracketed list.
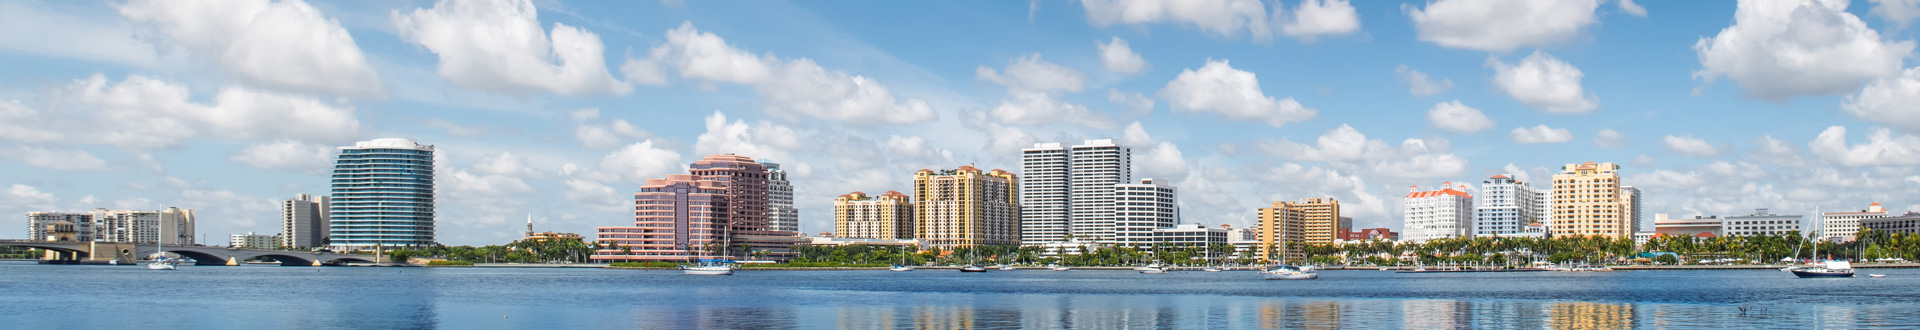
[(1588, 315), (1077, 311)]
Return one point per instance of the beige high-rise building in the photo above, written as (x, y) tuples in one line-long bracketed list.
[(966, 207), (1287, 225), (888, 216), (1588, 201)]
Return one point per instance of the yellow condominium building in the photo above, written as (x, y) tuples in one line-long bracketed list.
[(967, 207), (1287, 225), (1587, 201), (888, 216)]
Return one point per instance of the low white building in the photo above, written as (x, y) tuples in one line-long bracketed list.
[(1442, 213), (253, 241), (1840, 226), (1189, 235), (1689, 227), (1243, 240), (1762, 223)]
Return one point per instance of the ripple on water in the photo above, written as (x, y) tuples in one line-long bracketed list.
[(350, 298)]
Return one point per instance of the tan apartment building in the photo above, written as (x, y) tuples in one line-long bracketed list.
[(1588, 201), (1287, 225), (967, 207), (888, 216)]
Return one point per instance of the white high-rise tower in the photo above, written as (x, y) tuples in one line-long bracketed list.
[(1506, 207), (1070, 191), (781, 215)]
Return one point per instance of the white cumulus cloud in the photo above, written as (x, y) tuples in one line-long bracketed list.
[(1691, 146), (1544, 83), (1030, 73), (1314, 18), (63, 159), (1632, 8), (1420, 85), (1222, 17), (286, 154), (1459, 118), (641, 161), (1894, 101), (1140, 104), (1780, 49), (1116, 56), (149, 113), (786, 87), (286, 44), (1898, 12), (1236, 94), (1611, 139), (498, 46), (1541, 134), (1476, 24), (1881, 149)]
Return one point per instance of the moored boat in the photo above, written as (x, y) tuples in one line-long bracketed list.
[(709, 267), (159, 260), (1059, 268), (973, 269), (1290, 273), (1832, 268), (901, 268), (1006, 267)]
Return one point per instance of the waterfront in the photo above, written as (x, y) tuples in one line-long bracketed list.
[(97, 297)]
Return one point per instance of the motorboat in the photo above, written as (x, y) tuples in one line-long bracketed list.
[(973, 269), (901, 268), (1153, 269), (1155, 266), (1006, 267), (1211, 269), (1290, 273), (1059, 268), (709, 267), (1832, 268), (1876, 275)]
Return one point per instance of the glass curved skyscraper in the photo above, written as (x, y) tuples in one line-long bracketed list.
[(382, 195)]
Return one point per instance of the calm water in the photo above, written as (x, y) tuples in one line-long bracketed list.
[(256, 297)]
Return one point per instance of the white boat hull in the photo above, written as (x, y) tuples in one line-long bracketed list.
[(708, 271), (1153, 271), (161, 266), (1307, 276), (902, 269)]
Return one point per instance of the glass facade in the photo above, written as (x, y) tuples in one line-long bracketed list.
[(382, 195)]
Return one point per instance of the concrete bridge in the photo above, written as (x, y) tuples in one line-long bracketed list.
[(129, 253)]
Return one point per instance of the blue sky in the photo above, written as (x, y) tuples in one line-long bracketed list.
[(561, 108)]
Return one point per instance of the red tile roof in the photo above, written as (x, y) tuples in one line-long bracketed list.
[(1419, 194)]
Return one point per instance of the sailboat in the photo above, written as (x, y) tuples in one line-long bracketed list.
[(160, 261), (902, 267), (971, 268), (708, 266), (1830, 268)]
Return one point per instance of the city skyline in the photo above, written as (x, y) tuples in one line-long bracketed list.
[(121, 105)]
